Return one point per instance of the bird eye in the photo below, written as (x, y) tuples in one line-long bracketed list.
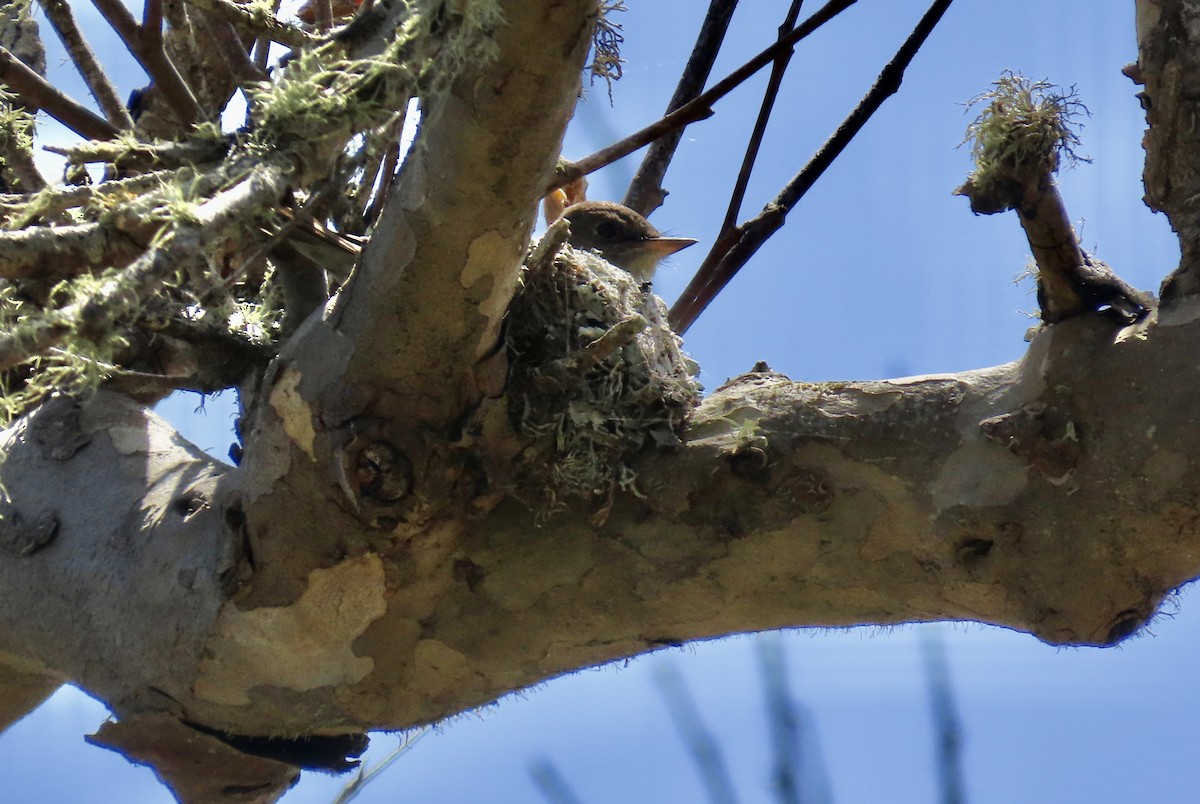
[(607, 230)]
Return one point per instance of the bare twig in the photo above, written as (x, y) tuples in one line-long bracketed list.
[(783, 721), (364, 776), (146, 45), (61, 17), (646, 192), (736, 247), (551, 784), (37, 92), (760, 124), (699, 107)]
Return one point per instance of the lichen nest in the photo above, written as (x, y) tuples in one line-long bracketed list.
[(597, 375)]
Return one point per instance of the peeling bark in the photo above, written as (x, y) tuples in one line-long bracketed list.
[(1055, 495), (367, 568), (1168, 67)]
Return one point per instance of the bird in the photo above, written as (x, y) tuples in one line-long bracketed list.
[(621, 236)]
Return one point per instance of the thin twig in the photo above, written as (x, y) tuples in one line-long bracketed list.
[(61, 17), (355, 786), (37, 92), (551, 784), (646, 193), (735, 249), (701, 106), (783, 720), (760, 124), (146, 45)]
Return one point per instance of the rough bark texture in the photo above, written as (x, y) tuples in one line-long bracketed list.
[(368, 565), (1169, 68)]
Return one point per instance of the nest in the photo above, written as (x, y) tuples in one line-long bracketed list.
[(598, 377)]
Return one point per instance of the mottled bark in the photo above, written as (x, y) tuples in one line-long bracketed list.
[(370, 565)]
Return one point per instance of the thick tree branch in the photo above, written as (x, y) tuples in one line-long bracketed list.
[(257, 20), (1053, 496)]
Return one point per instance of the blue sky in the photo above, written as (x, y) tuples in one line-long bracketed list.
[(879, 272)]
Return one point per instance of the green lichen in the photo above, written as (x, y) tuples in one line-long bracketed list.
[(590, 419), (1024, 126), (79, 364)]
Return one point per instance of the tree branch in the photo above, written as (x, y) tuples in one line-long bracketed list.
[(645, 192), (63, 19), (146, 45), (255, 19), (988, 495), (737, 246), (760, 124), (701, 106), (260, 190), (37, 92)]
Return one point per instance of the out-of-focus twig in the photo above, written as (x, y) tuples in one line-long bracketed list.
[(551, 784), (782, 720), (946, 726), (700, 742)]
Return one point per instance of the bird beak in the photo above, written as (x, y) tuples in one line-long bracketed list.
[(668, 245)]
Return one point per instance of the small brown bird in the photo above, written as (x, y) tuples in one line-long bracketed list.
[(621, 236)]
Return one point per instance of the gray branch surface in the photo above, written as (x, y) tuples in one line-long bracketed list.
[(370, 565)]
